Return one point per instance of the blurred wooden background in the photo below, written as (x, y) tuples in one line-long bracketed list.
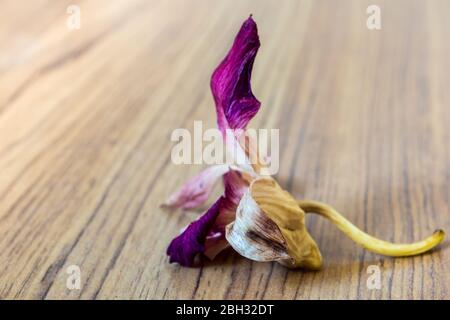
[(86, 117)]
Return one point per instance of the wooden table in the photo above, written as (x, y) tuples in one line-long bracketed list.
[(85, 122)]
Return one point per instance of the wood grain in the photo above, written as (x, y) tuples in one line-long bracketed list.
[(86, 116)]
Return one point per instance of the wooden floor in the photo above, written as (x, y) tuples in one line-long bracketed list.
[(85, 123)]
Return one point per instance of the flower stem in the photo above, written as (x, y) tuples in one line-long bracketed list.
[(367, 241)]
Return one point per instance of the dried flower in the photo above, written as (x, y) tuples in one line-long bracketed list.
[(255, 215), (270, 226)]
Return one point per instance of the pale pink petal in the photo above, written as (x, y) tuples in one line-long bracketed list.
[(197, 189)]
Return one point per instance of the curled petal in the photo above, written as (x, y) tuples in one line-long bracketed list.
[(283, 210), (275, 213), (197, 189), (254, 235), (206, 235), (230, 83), (191, 242)]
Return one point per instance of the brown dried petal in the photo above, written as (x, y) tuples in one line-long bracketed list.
[(280, 207), (254, 235), (270, 226)]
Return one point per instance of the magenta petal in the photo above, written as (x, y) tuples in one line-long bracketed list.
[(197, 189), (235, 186), (230, 83), (184, 248), (206, 235)]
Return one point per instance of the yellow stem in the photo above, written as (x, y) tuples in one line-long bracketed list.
[(367, 241)]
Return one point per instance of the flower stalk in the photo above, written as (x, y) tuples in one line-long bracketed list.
[(367, 241)]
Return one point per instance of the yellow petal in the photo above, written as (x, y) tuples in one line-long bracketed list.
[(270, 226), (280, 207)]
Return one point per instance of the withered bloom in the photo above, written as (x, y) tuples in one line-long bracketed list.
[(259, 219), (270, 226)]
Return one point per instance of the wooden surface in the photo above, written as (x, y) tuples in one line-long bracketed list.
[(86, 117)]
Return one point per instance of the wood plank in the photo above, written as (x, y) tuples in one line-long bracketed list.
[(85, 123)]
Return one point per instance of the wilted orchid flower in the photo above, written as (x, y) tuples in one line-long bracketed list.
[(255, 215)]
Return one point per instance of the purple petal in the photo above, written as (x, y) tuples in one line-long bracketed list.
[(184, 248), (206, 235), (197, 189), (235, 186), (230, 83)]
